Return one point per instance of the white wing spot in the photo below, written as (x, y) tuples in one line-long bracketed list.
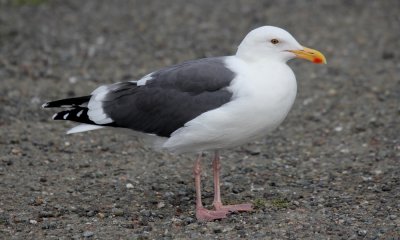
[(79, 113), (143, 80), (65, 116)]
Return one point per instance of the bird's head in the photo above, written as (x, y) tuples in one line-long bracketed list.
[(275, 43)]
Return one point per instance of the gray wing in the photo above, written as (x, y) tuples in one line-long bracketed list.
[(170, 97)]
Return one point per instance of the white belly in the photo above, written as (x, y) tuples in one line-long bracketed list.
[(260, 103)]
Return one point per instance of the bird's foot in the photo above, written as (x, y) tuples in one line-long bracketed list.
[(205, 215), (245, 207)]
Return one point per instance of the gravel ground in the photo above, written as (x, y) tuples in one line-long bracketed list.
[(331, 171)]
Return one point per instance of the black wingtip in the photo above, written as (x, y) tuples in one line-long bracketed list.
[(67, 103), (78, 114)]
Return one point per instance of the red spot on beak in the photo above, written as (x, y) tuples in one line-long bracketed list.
[(317, 60)]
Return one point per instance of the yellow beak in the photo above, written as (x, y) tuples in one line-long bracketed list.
[(310, 55)]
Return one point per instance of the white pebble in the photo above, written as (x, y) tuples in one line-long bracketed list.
[(72, 80), (160, 205), (338, 128), (344, 150)]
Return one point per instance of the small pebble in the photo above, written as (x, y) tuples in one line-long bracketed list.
[(118, 212), (344, 150), (46, 214), (145, 212), (189, 220), (49, 225), (338, 129), (217, 230), (362, 232), (90, 213), (87, 234), (237, 190), (160, 205), (332, 92), (69, 227), (169, 194), (37, 201), (32, 221), (42, 179), (73, 80), (387, 55), (129, 185), (253, 150), (16, 151), (227, 229), (147, 228)]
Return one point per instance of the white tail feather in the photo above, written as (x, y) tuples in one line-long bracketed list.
[(83, 128)]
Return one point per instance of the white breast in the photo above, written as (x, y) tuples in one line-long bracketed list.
[(263, 94)]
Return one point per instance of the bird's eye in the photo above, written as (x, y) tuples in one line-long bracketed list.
[(274, 41)]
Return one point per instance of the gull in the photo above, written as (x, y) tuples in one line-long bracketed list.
[(202, 105)]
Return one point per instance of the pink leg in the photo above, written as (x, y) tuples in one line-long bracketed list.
[(217, 193), (203, 214)]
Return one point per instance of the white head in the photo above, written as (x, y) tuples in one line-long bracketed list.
[(270, 42)]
